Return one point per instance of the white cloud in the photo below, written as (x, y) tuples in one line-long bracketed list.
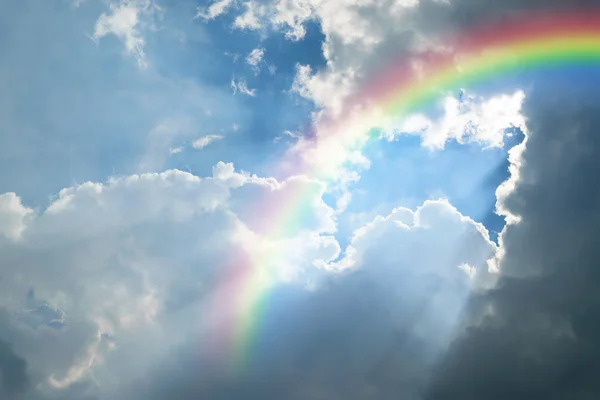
[(255, 58), (250, 19), (124, 21), (128, 261), (125, 262), (515, 159), (503, 192), (468, 119), (87, 255), (81, 367), (360, 36), (327, 92), (340, 144), (120, 259), (291, 15), (242, 87), (204, 141), (368, 331), (399, 246), (13, 216), (436, 224), (214, 10)]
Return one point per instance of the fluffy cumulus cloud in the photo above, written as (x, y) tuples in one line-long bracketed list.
[(108, 269), (107, 266), (367, 332)]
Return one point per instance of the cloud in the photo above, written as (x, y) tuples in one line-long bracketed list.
[(542, 317), (214, 10), (122, 297), (117, 268), (255, 58), (242, 87), (13, 216), (327, 91), (13, 372), (402, 221), (124, 22), (251, 18), (291, 15), (107, 269), (202, 142), (466, 119), (368, 332), (362, 36), (338, 151)]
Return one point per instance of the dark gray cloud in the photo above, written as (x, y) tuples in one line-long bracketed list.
[(13, 372), (537, 335)]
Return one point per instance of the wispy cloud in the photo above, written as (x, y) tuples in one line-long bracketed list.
[(242, 87), (124, 21), (255, 57), (202, 142), (214, 10)]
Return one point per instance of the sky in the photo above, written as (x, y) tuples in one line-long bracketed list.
[(179, 220)]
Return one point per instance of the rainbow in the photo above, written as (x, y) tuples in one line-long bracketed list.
[(484, 54), (529, 43)]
